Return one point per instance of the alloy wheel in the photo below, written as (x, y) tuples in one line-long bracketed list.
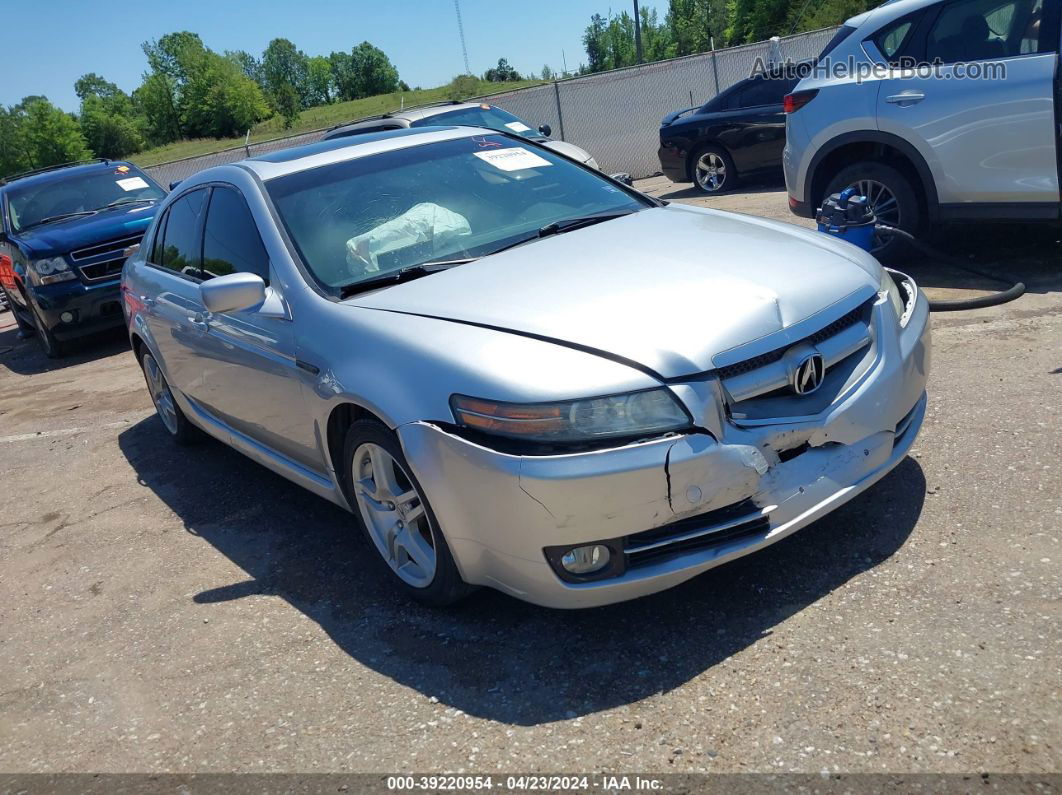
[(394, 514), (711, 172), (884, 204), (161, 395)]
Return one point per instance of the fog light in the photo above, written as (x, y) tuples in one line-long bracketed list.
[(66, 317), (585, 560)]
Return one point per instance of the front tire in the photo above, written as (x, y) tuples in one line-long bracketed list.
[(396, 517), (53, 348), (713, 170), (892, 197), (173, 420)]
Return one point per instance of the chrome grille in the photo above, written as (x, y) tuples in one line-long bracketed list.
[(836, 327), (110, 247)]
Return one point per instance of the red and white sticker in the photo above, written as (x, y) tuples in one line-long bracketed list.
[(513, 159)]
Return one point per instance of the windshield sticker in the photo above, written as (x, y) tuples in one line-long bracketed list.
[(517, 126), (131, 183), (515, 159)]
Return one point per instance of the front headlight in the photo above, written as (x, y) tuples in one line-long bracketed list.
[(632, 414), (50, 270), (888, 286)]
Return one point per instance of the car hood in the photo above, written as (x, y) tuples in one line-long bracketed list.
[(675, 290), (568, 150), (61, 237)]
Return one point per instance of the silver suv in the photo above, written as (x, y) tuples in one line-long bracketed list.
[(938, 110)]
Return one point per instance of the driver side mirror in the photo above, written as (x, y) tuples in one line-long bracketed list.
[(546, 130), (233, 292)]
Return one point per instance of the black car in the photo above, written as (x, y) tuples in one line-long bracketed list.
[(64, 232), (737, 134)]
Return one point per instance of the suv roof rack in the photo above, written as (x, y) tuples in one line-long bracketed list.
[(390, 114), (56, 167)]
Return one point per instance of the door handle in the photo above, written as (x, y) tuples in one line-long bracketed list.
[(147, 301), (199, 321), (905, 98)]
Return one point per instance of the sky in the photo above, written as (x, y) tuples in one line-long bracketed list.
[(49, 44)]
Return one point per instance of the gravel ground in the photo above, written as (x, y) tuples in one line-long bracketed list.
[(166, 609)]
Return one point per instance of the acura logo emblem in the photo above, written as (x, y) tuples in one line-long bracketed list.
[(807, 375)]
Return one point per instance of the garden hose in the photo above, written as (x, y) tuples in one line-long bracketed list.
[(994, 299)]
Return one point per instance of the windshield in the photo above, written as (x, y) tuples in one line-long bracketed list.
[(480, 116), (79, 193), (456, 199)]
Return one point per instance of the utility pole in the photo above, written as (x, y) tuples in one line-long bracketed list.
[(461, 33), (637, 31), (564, 60)]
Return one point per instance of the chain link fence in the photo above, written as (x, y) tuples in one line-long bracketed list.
[(613, 115)]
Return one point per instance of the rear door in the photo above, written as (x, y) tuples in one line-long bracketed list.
[(757, 137), (984, 118)]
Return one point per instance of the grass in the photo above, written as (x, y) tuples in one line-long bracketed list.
[(314, 119)]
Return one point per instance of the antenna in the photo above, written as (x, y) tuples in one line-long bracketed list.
[(461, 33)]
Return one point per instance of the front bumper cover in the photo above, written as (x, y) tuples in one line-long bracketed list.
[(499, 511)]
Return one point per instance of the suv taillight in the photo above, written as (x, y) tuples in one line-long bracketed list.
[(798, 99)]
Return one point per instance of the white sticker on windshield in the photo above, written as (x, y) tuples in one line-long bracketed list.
[(517, 126), (131, 183), (515, 159)]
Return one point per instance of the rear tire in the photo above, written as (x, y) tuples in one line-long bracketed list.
[(396, 516), (891, 195), (713, 170), (173, 420)]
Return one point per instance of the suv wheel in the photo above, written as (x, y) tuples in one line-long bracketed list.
[(712, 169), (890, 194), (396, 516), (53, 348)]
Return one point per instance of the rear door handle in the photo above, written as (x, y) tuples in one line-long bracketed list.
[(147, 301), (199, 321), (905, 98)]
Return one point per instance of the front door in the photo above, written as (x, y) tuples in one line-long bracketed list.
[(253, 385), (984, 118)]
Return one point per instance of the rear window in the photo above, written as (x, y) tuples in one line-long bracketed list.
[(480, 116)]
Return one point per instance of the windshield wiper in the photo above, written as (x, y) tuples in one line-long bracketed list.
[(406, 274), (60, 217), (125, 200)]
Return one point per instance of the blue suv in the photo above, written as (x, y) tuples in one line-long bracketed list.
[(64, 235)]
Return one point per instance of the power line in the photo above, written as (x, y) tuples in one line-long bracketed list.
[(464, 50)]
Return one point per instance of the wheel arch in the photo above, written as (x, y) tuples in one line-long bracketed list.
[(880, 147), (341, 417)]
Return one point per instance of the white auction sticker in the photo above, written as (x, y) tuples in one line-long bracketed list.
[(515, 159), (517, 126), (131, 183)]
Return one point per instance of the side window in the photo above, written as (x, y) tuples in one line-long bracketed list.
[(181, 241), (902, 38), (891, 40), (980, 30), (767, 91), (231, 243)]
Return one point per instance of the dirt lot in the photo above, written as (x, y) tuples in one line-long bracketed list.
[(167, 609)]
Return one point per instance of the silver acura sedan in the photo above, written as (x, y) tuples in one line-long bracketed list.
[(516, 372)]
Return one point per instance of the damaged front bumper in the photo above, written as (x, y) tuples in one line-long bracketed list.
[(672, 507)]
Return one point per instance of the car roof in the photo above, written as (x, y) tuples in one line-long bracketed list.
[(336, 150), (405, 114), (60, 173)]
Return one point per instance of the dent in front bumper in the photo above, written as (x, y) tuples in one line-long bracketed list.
[(499, 511)]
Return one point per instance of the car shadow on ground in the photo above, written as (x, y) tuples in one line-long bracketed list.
[(493, 656), (688, 191), (25, 357)]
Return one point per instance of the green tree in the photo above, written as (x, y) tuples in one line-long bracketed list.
[(319, 81), (547, 73), (463, 87), (501, 73), (13, 154), (284, 64), (248, 64), (47, 135), (156, 101), (108, 117), (287, 104), (373, 72)]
